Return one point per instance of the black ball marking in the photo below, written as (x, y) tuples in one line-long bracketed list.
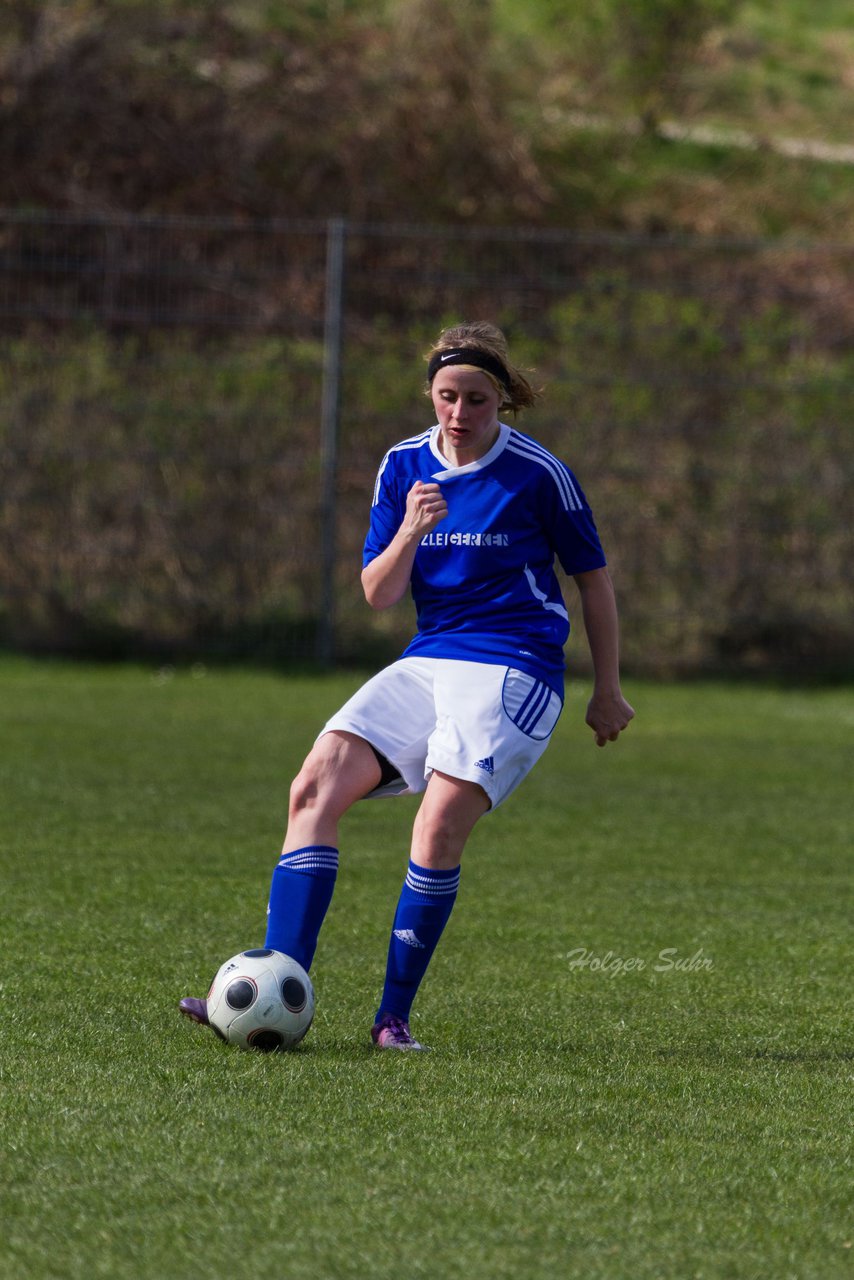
[(294, 996), (241, 993), (265, 1040)]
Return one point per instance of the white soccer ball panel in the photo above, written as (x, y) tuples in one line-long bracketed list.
[(261, 1000)]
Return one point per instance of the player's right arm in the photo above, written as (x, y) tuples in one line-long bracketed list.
[(386, 578)]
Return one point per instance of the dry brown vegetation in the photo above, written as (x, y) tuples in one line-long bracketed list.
[(160, 389)]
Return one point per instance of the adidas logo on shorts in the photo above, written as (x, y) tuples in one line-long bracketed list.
[(487, 764)]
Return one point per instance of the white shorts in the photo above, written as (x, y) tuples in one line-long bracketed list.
[(486, 724)]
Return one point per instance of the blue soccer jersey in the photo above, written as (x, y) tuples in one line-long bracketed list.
[(483, 582)]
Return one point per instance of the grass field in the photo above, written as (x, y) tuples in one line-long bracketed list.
[(601, 1112)]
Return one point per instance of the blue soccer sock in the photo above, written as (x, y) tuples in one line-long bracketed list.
[(426, 901), (300, 894)]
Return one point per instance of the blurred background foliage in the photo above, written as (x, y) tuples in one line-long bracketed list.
[(160, 380), (498, 111)]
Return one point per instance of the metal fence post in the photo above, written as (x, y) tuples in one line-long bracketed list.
[(330, 416)]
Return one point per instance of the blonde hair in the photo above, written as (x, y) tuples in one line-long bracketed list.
[(515, 390)]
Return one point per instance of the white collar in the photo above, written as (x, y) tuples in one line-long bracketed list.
[(449, 471)]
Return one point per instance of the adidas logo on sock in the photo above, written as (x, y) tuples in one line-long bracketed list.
[(487, 764), (409, 937)]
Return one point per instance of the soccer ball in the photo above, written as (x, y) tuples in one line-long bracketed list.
[(261, 1000)]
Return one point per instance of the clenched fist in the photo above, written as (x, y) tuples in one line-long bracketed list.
[(425, 507)]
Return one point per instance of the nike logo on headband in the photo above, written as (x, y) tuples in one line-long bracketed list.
[(472, 356)]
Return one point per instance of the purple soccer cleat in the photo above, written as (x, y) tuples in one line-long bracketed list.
[(195, 1009), (391, 1032)]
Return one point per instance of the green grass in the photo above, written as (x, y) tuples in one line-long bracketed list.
[(569, 1122)]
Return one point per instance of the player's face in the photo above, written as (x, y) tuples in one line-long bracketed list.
[(466, 405)]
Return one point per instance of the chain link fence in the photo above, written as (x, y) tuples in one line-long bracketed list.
[(193, 411)]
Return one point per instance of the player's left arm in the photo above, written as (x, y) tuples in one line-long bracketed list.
[(608, 712)]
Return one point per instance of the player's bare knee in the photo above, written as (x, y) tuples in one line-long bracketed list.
[(339, 770), (315, 780), (439, 839), (305, 791)]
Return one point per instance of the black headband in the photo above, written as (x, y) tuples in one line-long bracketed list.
[(469, 355)]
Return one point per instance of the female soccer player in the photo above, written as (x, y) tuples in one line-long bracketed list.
[(470, 516)]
